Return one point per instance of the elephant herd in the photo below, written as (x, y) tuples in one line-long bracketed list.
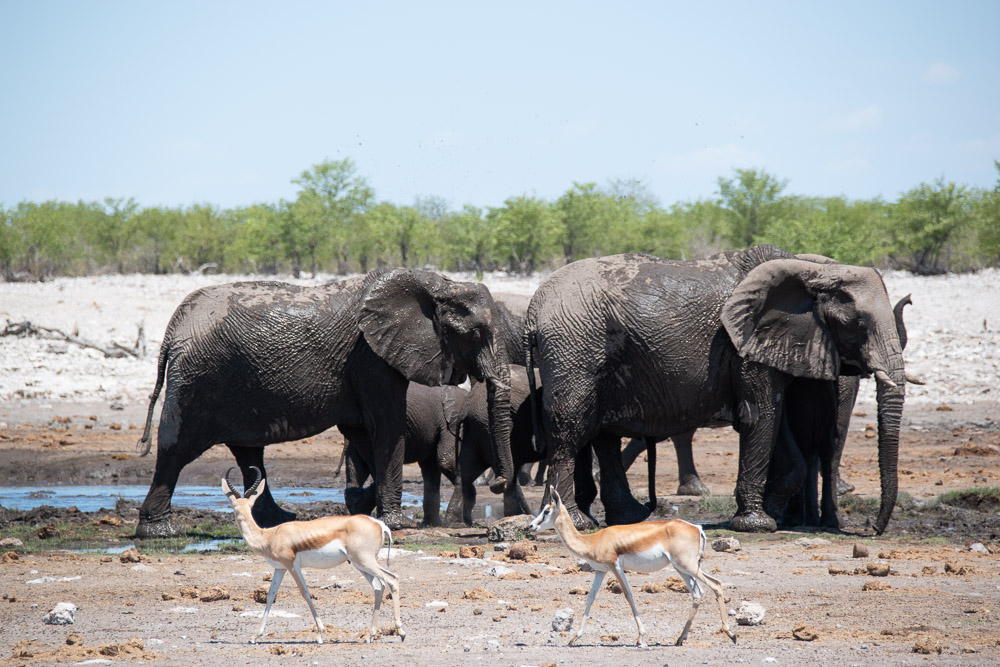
[(620, 346)]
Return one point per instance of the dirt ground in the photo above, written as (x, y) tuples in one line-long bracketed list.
[(939, 602)]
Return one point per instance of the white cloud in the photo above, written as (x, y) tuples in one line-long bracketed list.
[(941, 73), (867, 118)]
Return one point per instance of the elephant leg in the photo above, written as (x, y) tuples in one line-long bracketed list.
[(540, 473), (759, 403), (785, 491), (690, 483), (651, 472), (358, 498), (524, 474), (632, 450), (847, 396), (453, 514), (620, 506), (830, 517), (583, 482), (432, 492), (174, 451), (386, 428), (265, 510)]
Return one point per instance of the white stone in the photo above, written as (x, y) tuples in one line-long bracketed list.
[(749, 613), (63, 613), (727, 544), (498, 570), (563, 620)]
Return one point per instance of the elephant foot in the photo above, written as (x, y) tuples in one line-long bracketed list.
[(631, 512), (755, 521), (843, 486), (431, 522), (692, 486), (396, 520), (147, 530), (581, 520)]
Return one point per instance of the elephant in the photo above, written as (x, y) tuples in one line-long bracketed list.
[(255, 363), (638, 346), (433, 422), (476, 455), (811, 443)]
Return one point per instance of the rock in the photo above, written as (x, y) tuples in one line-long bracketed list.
[(474, 551), (189, 592), (522, 551), (928, 570), (860, 551), (498, 570), (214, 594), (260, 595), (130, 556), (977, 450), (836, 569), (927, 646), (810, 542), (63, 613), (108, 520), (961, 570), (726, 544), (978, 548), (10, 543), (9, 557), (878, 569), (804, 633), (510, 528), (749, 613), (477, 593), (563, 620), (501, 546), (876, 586), (74, 639)]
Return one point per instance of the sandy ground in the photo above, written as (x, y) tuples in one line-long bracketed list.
[(68, 415)]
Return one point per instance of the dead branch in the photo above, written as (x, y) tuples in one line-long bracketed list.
[(114, 351)]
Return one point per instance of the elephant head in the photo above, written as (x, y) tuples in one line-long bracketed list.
[(820, 321), (437, 331)]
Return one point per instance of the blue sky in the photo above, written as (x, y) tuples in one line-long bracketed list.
[(225, 102)]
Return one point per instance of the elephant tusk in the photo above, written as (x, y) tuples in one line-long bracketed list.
[(884, 378), (912, 379)]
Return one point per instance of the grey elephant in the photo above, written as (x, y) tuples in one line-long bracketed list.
[(476, 454), (251, 364), (638, 346), (433, 421)]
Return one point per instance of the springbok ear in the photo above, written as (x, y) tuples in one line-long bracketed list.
[(398, 321), (772, 318)]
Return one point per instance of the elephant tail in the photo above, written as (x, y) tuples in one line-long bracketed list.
[(534, 396), (146, 441)]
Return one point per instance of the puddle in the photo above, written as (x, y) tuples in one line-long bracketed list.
[(103, 497)]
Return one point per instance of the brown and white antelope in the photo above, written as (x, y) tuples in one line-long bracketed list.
[(321, 543), (640, 547)]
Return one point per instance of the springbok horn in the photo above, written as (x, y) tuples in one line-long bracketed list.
[(249, 492), (884, 378), (229, 482)]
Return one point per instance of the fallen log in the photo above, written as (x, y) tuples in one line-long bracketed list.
[(114, 351)]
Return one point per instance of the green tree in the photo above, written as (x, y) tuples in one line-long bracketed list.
[(330, 204), (118, 231), (469, 240), (852, 232), (582, 211), (753, 202), (924, 220), (527, 232)]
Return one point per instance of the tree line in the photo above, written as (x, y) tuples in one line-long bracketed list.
[(336, 224)]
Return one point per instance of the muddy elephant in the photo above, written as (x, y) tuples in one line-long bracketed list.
[(433, 421), (476, 454), (638, 346), (255, 363)]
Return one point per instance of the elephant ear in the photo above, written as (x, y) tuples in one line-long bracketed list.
[(773, 318), (397, 319)]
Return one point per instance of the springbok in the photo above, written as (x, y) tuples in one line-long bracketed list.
[(321, 543), (640, 547)]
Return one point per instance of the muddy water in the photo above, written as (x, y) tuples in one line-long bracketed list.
[(92, 498)]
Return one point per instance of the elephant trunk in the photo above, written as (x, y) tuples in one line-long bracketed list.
[(890, 412), (497, 374)]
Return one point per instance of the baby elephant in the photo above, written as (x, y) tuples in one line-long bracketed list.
[(321, 543)]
